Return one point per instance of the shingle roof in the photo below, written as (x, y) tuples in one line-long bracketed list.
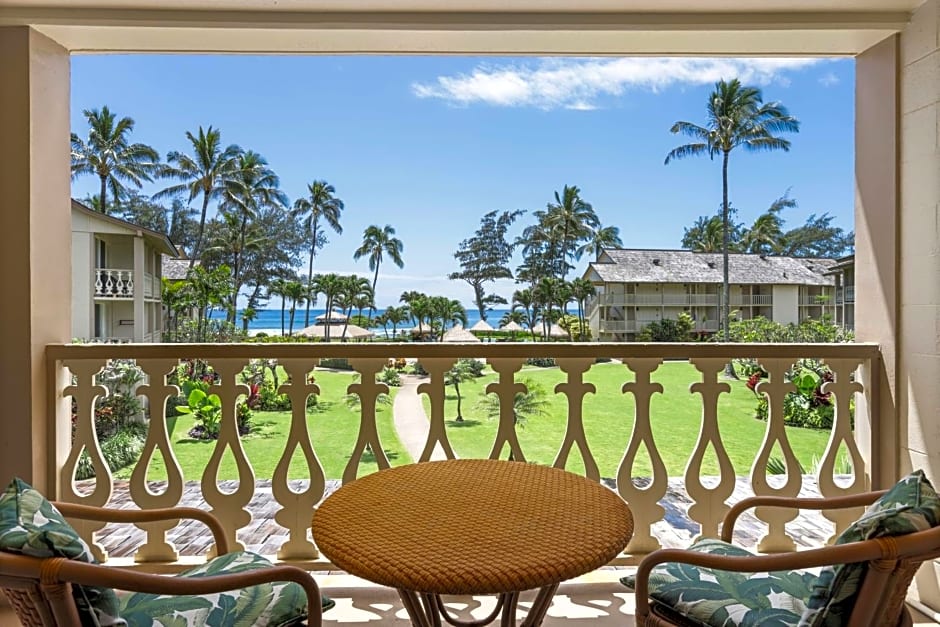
[(621, 265), (174, 269)]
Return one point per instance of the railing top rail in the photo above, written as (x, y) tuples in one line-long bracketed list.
[(445, 350)]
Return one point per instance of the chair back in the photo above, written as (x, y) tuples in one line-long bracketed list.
[(881, 598), (36, 604)]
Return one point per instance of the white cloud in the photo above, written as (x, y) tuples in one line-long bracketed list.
[(578, 83), (829, 79)]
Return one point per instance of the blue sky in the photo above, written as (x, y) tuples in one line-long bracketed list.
[(429, 144)]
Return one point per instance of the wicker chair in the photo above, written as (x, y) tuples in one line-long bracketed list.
[(39, 589), (892, 563)]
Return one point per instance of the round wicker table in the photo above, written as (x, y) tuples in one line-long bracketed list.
[(472, 527)]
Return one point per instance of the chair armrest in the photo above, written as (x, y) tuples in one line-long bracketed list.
[(104, 514), (836, 502), (64, 570), (864, 551)]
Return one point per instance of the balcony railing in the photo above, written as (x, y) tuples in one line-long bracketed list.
[(619, 326), (119, 283), (680, 300), (850, 294), (74, 368), (114, 283)]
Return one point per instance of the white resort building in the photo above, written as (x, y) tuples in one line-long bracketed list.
[(116, 270), (636, 287)]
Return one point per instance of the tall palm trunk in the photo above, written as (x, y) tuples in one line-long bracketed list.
[(197, 248), (313, 252), (104, 194), (725, 286), (282, 314), (375, 280)]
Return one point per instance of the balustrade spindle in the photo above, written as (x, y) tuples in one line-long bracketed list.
[(368, 390), (86, 392), (843, 389), (109, 284), (575, 389), (437, 431), (708, 504), (295, 510), (775, 389), (157, 548), (506, 389), (644, 502), (229, 507), (99, 286)]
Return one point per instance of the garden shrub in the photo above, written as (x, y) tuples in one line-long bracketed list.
[(475, 366), (541, 362), (172, 403), (120, 450), (668, 330), (271, 400), (808, 407), (418, 369), (389, 376), (336, 363)]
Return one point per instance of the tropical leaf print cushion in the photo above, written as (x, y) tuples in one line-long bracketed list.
[(273, 604), (723, 598), (31, 525), (911, 505)]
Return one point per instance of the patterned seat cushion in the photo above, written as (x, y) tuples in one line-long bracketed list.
[(273, 604), (911, 505), (724, 599), (31, 525)]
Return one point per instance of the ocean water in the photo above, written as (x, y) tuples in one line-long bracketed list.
[(270, 319)]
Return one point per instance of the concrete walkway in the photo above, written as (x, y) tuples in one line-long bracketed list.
[(411, 421)]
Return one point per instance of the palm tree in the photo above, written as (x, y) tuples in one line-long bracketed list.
[(355, 290), (278, 287), (573, 219), (204, 172), (548, 293), (376, 243), (447, 311), (320, 204), (460, 373), (766, 234), (704, 236), (581, 290), (737, 117), (395, 316), (526, 301), (234, 241), (331, 286), (250, 187), (599, 239), (296, 292), (525, 405), (108, 154)]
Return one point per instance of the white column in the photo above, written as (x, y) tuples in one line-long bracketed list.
[(140, 318), (918, 258), (34, 220)]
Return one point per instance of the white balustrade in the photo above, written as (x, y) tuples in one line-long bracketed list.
[(76, 366), (114, 283)]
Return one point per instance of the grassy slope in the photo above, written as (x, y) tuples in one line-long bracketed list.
[(333, 428), (608, 421)]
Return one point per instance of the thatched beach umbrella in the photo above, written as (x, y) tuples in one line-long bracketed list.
[(459, 334), (556, 331), (512, 327), (333, 317), (482, 326), (353, 332)]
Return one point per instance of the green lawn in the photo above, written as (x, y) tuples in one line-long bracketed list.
[(608, 420), (333, 428)]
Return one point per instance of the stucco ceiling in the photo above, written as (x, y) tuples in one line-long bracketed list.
[(655, 27)]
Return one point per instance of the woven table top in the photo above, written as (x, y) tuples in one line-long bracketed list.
[(471, 526)]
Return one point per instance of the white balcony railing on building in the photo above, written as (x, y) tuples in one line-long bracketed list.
[(114, 283), (681, 300), (753, 300), (74, 368), (150, 286), (618, 326)]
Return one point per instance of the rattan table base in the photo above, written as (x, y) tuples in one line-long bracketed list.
[(428, 610), (472, 527)]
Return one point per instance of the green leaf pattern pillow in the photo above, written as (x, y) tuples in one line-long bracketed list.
[(911, 505), (31, 525), (277, 604), (722, 598)]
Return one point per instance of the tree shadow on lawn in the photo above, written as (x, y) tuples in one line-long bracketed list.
[(461, 424), (368, 457)]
